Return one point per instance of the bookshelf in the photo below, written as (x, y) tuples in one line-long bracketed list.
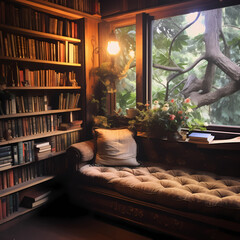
[(42, 87)]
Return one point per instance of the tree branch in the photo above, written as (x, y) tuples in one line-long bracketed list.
[(175, 37), (211, 97)]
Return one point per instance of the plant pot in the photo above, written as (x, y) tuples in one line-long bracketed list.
[(173, 136)]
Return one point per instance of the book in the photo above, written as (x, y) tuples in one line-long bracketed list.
[(36, 194), (5, 148), (200, 137), (35, 204), (6, 153), (41, 144), (15, 154), (43, 149)]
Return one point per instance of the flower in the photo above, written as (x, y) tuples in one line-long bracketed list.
[(165, 107), (169, 116), (189, 110), (172, 117)]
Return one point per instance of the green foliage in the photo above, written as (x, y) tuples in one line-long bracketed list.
[(185, 51), (167, 116)]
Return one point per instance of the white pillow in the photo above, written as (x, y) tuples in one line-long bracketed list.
[(116, 147)]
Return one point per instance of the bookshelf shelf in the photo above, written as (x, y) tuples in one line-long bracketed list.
[(21, 211), (22, 186), (28, 60), (38, 34), (43, 88), (52, 154), (57, 10), (37, 136), (39, 113)]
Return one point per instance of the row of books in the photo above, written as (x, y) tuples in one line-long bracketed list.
[(9, 205), (17, 154), (34, 20), (13, 104), (24, 152), (15, 176), (63, 141), (6, 156), (35, 78), (12, 45), (68, 100), (89, 6), (14, 128)]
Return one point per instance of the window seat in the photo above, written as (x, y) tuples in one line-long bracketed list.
[(183, 202)]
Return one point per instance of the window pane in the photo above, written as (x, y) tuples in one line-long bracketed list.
[(126, 87), (197, 55)]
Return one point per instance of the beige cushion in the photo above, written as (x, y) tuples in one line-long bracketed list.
[(182, 189), (116, 147)]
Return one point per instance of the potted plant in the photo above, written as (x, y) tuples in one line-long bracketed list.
[(165, 119)]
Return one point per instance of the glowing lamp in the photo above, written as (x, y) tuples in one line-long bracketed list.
[(113, 47)]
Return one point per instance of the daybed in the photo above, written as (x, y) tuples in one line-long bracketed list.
[(186, 203)]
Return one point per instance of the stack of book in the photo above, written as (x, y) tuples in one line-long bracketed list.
[(5, 156), (200, 138), (35, 197), (42, 150)]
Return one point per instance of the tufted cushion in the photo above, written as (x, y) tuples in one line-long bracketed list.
[(181, 189), (116, 147)]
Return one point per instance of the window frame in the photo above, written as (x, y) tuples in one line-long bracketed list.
[(158, 12)]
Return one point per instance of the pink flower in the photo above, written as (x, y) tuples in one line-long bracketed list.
[(172, 117), (180, 112), (172, 101), (187, 100)]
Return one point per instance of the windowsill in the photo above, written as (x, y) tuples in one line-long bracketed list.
[(221, 144)]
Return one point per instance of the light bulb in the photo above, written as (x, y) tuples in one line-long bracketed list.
[(113, 47)]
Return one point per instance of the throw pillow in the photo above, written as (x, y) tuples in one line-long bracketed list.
[(116, 147)]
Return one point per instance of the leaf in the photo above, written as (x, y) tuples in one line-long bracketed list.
[(180, 42)]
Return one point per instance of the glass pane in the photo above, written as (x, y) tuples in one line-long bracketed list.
[(126, 87), (197, 55)]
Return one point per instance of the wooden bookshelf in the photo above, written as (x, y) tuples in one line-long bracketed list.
[(37, 136), (21, 211), (51, 154), (38, 34), (57, 10), (17, 115), (33, 61), (24, 185), (22, 64), (67, 88)]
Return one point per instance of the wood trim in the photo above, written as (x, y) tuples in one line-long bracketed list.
[(57, 10), (43, 88), (37, 136), (140, 59), (168, 10), (24, 185), (29, 60), (17, 115), (38, 34)]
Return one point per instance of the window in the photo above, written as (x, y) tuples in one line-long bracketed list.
[(195, 56), (126, 87)]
